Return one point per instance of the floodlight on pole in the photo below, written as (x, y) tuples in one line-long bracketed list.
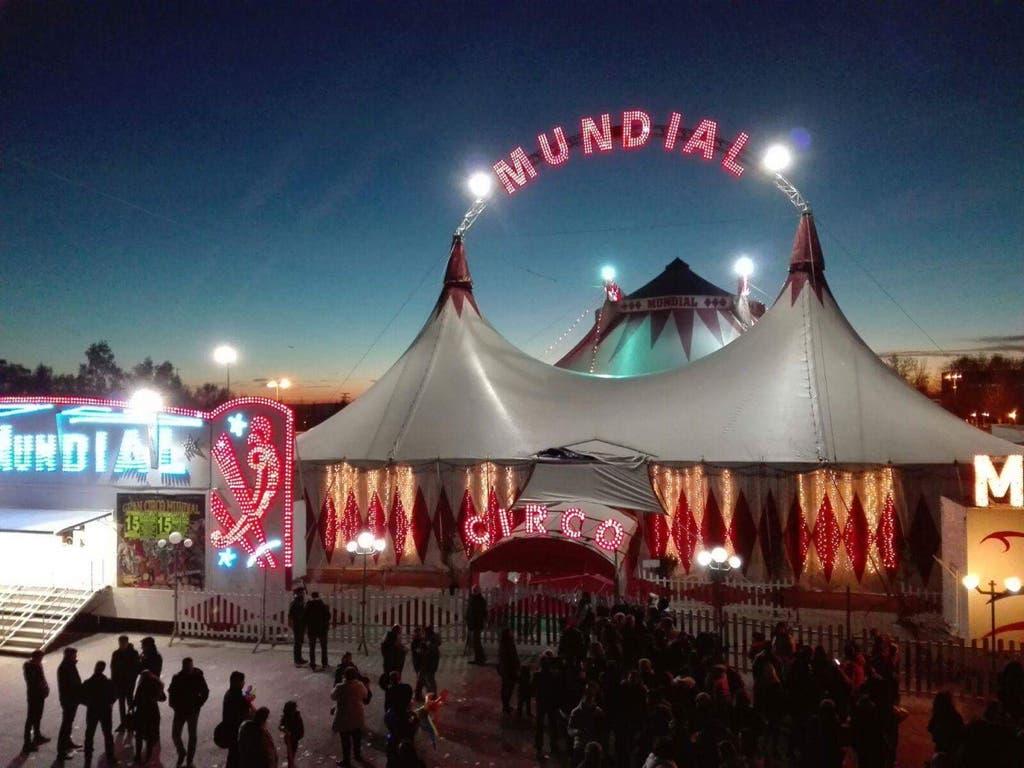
[(608, 273), (774, 161), (277, 385), (744, 267), (146, 401), (1011, 588), (364, 545), (777, 158), (227, 356), (480, 186)]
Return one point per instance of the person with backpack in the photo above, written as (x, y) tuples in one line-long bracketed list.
[(187, 694)]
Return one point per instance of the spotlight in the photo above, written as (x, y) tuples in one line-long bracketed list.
[(777, 158), (481, 185)]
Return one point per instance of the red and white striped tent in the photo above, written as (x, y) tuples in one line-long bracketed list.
[(676, 318)]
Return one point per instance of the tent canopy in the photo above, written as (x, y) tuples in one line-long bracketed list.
[(799, 388)]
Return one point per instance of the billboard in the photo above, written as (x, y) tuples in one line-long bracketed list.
[(143, 520)]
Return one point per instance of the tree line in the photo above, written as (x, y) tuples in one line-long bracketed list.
[(100, 376)]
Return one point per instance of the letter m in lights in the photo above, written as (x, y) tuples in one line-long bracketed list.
[(1008, 481)]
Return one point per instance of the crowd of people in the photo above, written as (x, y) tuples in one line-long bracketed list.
[(624, 689)]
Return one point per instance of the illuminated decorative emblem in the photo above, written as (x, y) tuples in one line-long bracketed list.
[(192, 449), (597, 136), (254, 501), (226, 557), (238, 424), (1010, 481)]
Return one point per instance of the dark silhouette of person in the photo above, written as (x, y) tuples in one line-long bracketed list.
[(150, 658), (476, 619), (124, 673), (256, 747), (508, 668), (98, 696), (318, 619), (393, 651), (36, 689), (148, 696), (186, 695), (69, 693), (297, 621), (235, 711)]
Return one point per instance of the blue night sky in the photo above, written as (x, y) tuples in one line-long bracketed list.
[(284, 177)]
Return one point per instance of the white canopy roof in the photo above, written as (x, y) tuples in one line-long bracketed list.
[(800, 387)]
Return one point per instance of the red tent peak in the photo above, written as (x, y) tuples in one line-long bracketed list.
[(457, 274), (807, 256)]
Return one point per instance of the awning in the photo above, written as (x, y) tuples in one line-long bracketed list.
[(47, 520)]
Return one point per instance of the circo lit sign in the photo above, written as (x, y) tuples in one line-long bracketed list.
[(598, 136)]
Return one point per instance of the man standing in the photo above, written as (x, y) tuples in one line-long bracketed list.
[(318, 618), (235, 711), (69, 692), (98, 696), (187, 694), (124, 671), (37, 690), (476, 618), (297, 621)]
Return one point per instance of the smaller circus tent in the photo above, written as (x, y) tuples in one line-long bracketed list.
[(676, 318)]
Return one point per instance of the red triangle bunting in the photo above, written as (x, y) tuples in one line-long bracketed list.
[(658, 319), (710, 318), (856, 537), (684, 324), (742, 531)]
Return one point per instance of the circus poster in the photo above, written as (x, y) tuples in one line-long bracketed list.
[(143, 520)]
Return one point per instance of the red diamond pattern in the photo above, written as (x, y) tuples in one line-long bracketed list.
[(351, 520), (742, 531), (685, 532), (328, 526), (444, 526), (889, 536), (826, 537), (398, 527), (769, 534), (712, 527), (797, 537), (375, 520), (420, 526), (656, 534), (856, 537)]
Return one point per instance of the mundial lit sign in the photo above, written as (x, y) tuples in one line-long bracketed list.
[(597, 135), (77, 438), (1005, 483)]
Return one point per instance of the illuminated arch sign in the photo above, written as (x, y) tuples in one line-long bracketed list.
[(77, 451), (632, 129)]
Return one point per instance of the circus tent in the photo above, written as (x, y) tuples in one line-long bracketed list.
[(676, 318), (794, 445)]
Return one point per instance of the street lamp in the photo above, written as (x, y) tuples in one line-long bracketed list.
[(1012, 586), (227, 356), (277, 385), (175, 541), (719, 564), (365, 544)]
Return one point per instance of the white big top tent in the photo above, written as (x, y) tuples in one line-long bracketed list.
[(794, 446)]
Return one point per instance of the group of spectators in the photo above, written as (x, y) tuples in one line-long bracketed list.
[(626, 688)]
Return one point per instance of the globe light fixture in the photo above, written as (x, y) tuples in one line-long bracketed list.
[(735, 562), (608, 273), (1012, 587), (481, 185), (227, 356), (971, 581), (704, 558), (1012, 584), (365, 544), (744, 267), (777, 158), (277, 385), (719, 555)]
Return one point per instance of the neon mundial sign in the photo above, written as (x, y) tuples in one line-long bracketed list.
[(635, 130)]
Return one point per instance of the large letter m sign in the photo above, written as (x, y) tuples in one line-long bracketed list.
[(987, 481)]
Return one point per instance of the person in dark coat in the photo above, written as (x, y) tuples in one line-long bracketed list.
[(401, 723), (345, 663), (36, 689), (98, 696), (148, 696), (235, 711), (946, 726), (124, 673), (392, 651), (292, 727), (508, 668), (317, 617), (546, 689), (186, 695), (151, 658), (476, 620), (430, 659), (69, 693), (297, 621), (256, 747)]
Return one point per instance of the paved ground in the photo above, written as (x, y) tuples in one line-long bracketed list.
[(473, 731)]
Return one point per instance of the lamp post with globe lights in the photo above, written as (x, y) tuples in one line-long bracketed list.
[(173, 545), (719, 564), (1012, 586), (277, 385), (364, 545)]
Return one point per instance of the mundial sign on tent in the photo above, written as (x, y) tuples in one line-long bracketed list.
[(599, 136)]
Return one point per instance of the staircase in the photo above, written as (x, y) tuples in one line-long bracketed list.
[(33, 617)]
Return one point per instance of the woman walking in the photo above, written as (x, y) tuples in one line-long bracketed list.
[(148, 696), (293, 729)]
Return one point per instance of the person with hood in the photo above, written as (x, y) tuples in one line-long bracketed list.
[(98, 696), (69, 693), (186, 695), (124, 673), (148, 696), (36, 689), (235, 710), (317, 617), (297, 621), (256, 748), (350, 697)]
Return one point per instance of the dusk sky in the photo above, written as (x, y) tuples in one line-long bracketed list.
[(285, 177)]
